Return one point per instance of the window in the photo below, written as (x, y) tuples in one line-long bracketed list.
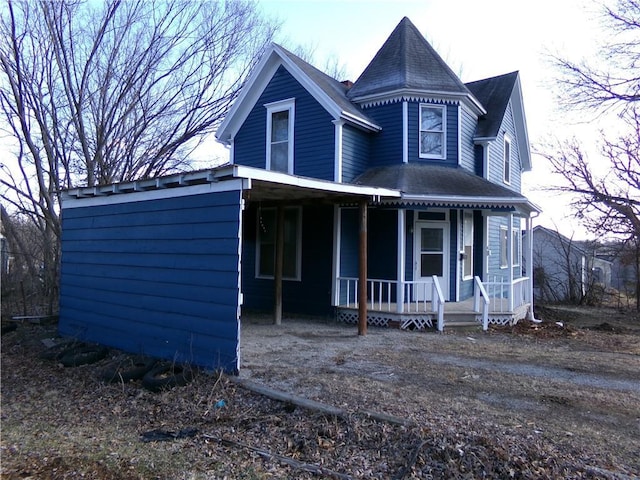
[(504, 237), (266, 244), (467, 240), (432, 131), (280, 121), (507, 160), (517, 237)]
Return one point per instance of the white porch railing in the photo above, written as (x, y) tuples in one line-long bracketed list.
[(507, 297), (479, 293), (417, 296)]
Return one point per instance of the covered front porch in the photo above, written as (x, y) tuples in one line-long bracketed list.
[(497, 302)]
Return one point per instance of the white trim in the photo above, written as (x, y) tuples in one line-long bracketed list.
[(487, 247), (460, 136), (337, 163), (405, 131), (239, 284), (262, 74), (337, 234), (446, 273), (503, 228), (287, 105), (420, 96), (510, 260), (457, 259), (506, 159), (465, 214), (443, 109), (69, 201), (401, 260), (252, 173)]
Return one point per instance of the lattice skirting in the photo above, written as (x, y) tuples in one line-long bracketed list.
[(382, 319), (506, 318)]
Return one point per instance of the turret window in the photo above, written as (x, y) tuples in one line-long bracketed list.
[(432, 131)]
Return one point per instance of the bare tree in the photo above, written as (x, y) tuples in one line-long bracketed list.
[(101, 92), (607, 200)]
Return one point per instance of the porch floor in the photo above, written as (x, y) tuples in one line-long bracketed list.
[(497, 305)]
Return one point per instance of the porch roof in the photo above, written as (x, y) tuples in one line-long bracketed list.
[(436, 185)]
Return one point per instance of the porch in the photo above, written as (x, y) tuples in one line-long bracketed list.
[(418, 305)]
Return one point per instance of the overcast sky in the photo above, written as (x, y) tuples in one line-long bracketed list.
[(478, 39)]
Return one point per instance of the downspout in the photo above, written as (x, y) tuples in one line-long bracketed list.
[(529, 260)]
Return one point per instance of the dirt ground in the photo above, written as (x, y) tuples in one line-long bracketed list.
[(548, 400)]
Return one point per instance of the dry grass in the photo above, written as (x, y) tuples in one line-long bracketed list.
[(509, 404)]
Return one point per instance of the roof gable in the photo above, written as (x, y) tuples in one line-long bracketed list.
[(495, 93), (330, 93), (406, 62)]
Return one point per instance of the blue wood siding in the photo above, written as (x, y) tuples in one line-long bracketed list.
[(496, 154), (386, 146), (314, 133), (451, 140), (382, 244), (310, 295), (356, 149), (468, 159), (155, 277)]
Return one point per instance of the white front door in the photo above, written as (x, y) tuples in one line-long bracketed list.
[(431, 257)]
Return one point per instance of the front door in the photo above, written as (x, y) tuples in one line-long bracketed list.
[(431, 258)]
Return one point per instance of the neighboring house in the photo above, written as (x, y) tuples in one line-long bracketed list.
[(565, 270), (403, 187)]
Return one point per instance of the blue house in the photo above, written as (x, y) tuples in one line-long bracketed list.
[(394, 200)]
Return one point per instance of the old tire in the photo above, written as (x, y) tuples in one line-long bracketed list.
[(167, 376), (56, 352), (83, 355), (128, 369)]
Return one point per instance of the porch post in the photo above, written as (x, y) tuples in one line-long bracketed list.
[(401, 259), (529, 263), (362, 285), (510, 259), (277, 273)]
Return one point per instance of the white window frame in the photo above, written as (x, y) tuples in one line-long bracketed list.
[(507, 164), (503, 239), (443, 132), (298, 276), (467, 236), (516, 246), (276, 107)]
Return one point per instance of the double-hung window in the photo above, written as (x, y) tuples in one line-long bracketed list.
[(467, 240), (280, 122), (504, 238), (507, 160), (432, 131), (266, 245)]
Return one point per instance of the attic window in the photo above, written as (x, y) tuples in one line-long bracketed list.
[(432, 131), (280, 122), (507, 159)]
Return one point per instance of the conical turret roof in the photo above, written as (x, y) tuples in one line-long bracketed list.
[(407, 61)]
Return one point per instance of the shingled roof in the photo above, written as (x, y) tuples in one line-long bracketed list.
[(494, 93), (407, 61), (414, 179)]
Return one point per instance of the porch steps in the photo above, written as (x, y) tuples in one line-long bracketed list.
[(461, 321)]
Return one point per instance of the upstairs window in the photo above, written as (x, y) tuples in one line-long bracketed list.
[(432, 131), (507, 160), (280, 121)]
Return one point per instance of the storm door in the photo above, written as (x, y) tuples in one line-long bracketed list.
[(431, 257)]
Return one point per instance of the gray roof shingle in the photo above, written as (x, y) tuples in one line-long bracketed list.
[(406, 61), (494, 93), (333, 88), (434, 180)]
